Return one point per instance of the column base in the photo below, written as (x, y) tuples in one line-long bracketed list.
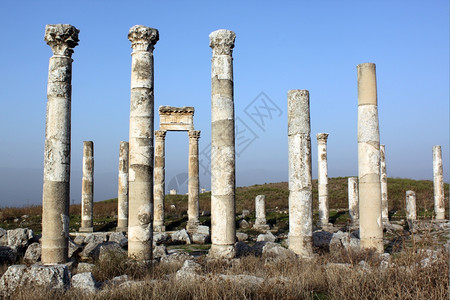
[(159, 228), (222, 251), (121, 229), (192, 226), (261, 227), (86, 229), (301, 245)]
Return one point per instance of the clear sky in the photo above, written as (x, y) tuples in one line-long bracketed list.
[(280, 45)]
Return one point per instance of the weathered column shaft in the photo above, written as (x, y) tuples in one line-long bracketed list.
[(159, 177), (122, 193), (322, 172), (300, 175), (383, 180), (193, 182), (353, 200), (62, 38), (140, 222), (411, 213), (223, 210), (87, 188), (371, 226), (260, 210), (438, 181)]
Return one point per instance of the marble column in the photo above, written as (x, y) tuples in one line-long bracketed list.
[(62, 38), (353, 200), (140, 193), (300, 176), (411, 214), (193, 182), (371, 225), (260, 211), (87, 188), (322, 172), (223, 207), (438, 181), (383, 182), (159, 177), (122, 192)]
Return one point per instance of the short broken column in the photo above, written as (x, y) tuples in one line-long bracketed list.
[(223, 207), (383, 182), (122, 192), (159, 177), (411, 214), (438, 182), (371, 225), (300, 174), (353, 200), (193, 182), (322, 172), (87, 188), (62, 38), (260, 211), (140, 193)]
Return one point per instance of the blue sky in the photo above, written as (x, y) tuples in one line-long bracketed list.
[(313, 45)]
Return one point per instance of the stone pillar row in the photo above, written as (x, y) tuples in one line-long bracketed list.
[(159, 185), (122, 191), (87, 188), (193, 182), (322, 172)]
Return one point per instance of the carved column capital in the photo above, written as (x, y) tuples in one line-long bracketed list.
[(160, 134), (143, 38), (322, 137), (194, 134), (62, 38), (222, 42)]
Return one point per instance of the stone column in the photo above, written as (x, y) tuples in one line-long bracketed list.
[(87, 188), (62, 38), (411, 214), (260, 211), (371, 225), (159, 176), (122, 193), (193, 183), (322, 172), (140, 222), (438, 181), (300, 176), (353, 200), (383, 182), (223, 207)]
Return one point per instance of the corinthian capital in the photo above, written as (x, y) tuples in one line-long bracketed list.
[(160, 134), (143, 38), (322, 137), (222, 42), (62, 38), (194, 134)]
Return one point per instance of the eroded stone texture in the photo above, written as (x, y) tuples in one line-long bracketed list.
[(353, 200), (438, 181), (140, 192), (300, 176), (371, 225), (260, 211), (223, 207), (193, 184), (159, 184), (411, 213), (122, 193), (322, 172), (383, 180), (62, 38), (87, 188)]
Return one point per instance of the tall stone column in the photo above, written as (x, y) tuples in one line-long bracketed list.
[(411, 214), (371, 225), (122, 192), (260, 212), (62, 38), (193, 184), (223, 206), (438, 181), (322, 178), (140, 222), (383, 181), (159, 176), (300, 175), (87, 188), (353, 200)]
